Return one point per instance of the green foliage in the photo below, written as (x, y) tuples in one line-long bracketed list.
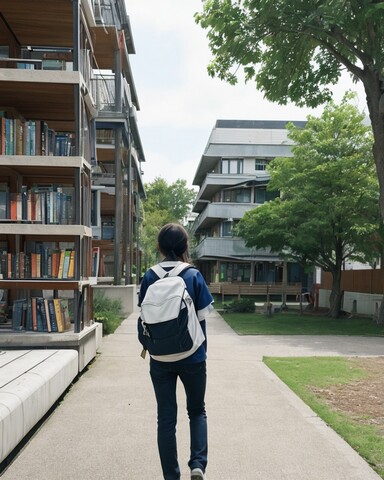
[(294, 49), (302, 374), (165, 203), (241, 305), (108, 312)]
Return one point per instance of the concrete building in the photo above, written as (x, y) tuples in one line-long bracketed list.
[(232, 177)]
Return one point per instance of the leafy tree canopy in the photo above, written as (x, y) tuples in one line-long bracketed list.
[(165, 203), (293, 49), (327, 211)]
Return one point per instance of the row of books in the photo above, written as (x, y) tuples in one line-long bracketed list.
[(40, 203), (33, 137), (48, 263), (40, 314)]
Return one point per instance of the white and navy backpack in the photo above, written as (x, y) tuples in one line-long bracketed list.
[(171, 328)]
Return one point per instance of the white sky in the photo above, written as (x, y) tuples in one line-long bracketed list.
[(179, 102)]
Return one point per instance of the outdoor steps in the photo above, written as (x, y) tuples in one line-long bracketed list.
[(31, 381)]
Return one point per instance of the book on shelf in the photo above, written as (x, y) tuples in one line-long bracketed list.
[(39, 315), (34, 314), (71, 268), (61, 264), (18, 136), (58, 315), (52, 315), (47, 316), (42, 325), (28, 322), (65, 314), (4, 201), (2, 136), (4, 263), (66, 264), (17, 314)]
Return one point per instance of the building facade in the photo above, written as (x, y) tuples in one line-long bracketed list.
[(232, 177)]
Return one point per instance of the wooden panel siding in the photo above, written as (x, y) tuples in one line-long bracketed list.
[(362, 281), (242, 289)]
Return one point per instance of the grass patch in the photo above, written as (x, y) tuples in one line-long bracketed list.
[(288, 323), (302, 374)]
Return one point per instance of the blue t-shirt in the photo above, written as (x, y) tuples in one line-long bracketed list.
[(201, 296)]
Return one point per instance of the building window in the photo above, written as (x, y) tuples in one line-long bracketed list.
[(260, 195), (232, 165), (226, 228), (240, 195), (261, 164), (235, 272), (263, 195), (243, 195)]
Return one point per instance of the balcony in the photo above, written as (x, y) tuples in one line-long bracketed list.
[(215, 212), (104, 93), (214, 182), (231, 249)]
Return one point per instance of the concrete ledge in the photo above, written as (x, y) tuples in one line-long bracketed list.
[(30, 383), (85, 343), (354, 302), (125, 293)]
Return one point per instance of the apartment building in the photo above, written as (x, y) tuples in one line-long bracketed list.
[(232, 177)]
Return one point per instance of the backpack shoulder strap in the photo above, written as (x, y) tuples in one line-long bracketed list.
[(160, 272), (179, 268)]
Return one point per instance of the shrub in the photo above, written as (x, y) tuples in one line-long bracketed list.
[(108, 312), (241, 305)]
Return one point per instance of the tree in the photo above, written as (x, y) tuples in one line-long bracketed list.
[(327, 211), (295, 49), (165, 203)]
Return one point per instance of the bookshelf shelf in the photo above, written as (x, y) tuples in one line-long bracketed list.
[(42, 77), (45, 284), (28, 161), (45, 230)]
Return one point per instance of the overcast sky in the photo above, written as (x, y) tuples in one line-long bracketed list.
[(179, 102)]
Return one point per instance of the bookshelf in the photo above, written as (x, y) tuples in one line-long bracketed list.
[(46, 115)]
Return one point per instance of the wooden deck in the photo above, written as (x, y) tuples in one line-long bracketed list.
[(258, 289)]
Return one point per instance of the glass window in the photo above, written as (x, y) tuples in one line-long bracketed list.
[(260, 195), (263, 195), (227, 197), (261, 164), (226, 229), (243, 195), (232, 165)]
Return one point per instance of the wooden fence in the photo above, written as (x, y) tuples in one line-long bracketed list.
[(264, 289), (362, 281)]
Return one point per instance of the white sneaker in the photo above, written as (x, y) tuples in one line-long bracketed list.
[(197, 474)]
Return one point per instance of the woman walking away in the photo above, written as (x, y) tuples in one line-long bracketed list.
[(188, 364)]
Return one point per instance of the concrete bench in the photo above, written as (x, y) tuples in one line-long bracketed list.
[(31, 381)]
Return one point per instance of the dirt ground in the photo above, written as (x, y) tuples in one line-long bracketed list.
[(362, 399)]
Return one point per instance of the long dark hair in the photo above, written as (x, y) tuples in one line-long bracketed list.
[(173, 242)]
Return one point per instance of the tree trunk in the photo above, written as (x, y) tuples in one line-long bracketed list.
[(375, 102), (336, 296)]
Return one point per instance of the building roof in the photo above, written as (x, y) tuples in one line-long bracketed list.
[(244, 139)]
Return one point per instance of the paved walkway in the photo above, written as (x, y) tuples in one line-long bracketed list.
[(259, 430)]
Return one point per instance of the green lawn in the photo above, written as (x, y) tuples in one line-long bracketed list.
[(292, 323), (300, 374)]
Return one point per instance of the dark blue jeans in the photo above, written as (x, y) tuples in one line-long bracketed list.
[(194, 378)]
